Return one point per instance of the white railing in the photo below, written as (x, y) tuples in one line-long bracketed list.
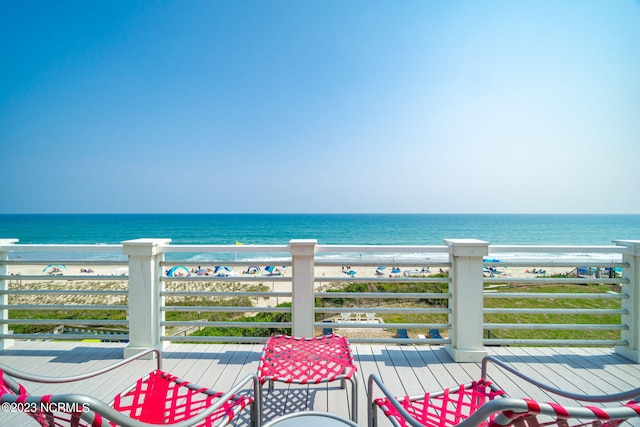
[(459, 312), (411, 258)]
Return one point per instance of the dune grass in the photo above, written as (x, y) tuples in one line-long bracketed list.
[(385, 288)]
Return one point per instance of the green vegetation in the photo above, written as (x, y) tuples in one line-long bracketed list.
[(61, 314), (251, 332), (518, 318), (385, 288), (182, 316), (382, 300), (563, 303), (176, 316), (393, 288)]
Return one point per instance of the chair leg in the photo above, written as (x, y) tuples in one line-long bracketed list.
[(254, 414), (372, 415), (259, 399), (343, 382), (354, 398), (256, 407), (372, 408)]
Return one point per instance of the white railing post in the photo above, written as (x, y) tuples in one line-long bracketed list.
[(145, 301), (4, 299), (631, 304), (302, 278), (467, 300)]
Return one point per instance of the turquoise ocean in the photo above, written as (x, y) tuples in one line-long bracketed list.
[(344, 229)]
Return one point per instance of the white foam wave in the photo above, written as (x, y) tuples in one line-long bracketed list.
[(374, 258)]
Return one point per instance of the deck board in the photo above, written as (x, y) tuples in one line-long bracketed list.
[(404, 369), (366, 366)]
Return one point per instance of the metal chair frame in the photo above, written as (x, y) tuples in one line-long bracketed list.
[(503, 410), (96, 413)]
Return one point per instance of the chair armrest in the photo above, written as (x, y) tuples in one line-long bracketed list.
[(508, 409), (480, 415), (55, 380), (633, 394), (375, 380)]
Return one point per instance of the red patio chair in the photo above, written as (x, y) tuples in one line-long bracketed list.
[(157, 399), (314, 360), (482, 403)]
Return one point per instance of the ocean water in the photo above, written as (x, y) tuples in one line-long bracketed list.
[(360, 229)]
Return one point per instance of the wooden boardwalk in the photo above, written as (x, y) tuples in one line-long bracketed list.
[(404, 369)]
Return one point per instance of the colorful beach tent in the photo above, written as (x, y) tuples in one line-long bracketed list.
[(253, 269), (222, 270), (179, 270)]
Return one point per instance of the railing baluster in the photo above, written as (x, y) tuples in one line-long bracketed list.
[(4, 298), (631, 304)]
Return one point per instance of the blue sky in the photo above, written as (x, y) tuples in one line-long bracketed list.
[(320, 106)]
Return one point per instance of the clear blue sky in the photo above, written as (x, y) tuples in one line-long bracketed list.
[(320, 106)]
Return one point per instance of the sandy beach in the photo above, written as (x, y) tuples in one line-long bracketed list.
[(240, 271), (85, 277), (82, 277)]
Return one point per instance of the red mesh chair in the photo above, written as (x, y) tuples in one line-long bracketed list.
[(482, 403), (157, 399), (309, 361)]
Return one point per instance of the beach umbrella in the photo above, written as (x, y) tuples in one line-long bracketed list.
[(54, 267), (272, 270), (179, 270), (222, 270), (253, 269), (395, 270)]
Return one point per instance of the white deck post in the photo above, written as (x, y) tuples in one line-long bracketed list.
[(145, 331), (4, 299), (632, 304), (302, 277), (467, 301)]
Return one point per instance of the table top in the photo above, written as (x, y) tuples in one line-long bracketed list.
[(311, 419), (306, 360)]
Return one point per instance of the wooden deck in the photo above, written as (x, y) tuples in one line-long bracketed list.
[(404, 369)]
